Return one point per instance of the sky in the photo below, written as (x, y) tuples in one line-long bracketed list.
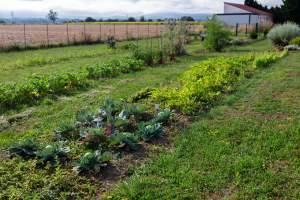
[(72, 8)]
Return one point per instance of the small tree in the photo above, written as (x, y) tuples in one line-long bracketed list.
[(216, 35), (52, 16), (90, 19), (131, 19), (142, 19), (187, 18)]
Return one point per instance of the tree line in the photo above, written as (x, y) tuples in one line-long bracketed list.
[(289, 10)]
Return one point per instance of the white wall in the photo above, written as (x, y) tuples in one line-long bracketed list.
[(238, 19), (232, 9)]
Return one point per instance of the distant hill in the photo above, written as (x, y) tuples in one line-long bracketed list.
[(37, 19)]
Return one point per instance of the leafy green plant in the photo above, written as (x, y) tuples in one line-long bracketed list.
[(93, 138), (203, 83), (282, 34), (216, 35), (66, 130), (25, 148), (92, 162), (150, 131), (52, 153), (142, 94), (295, 41), (124, 140), (84, 116), (253, 35), (267, 59), (163, 116)]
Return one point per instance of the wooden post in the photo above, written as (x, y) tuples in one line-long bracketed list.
[(115, 31), (84, 33), (127, 37), (246, 29), (236, 29), (100, 32), (68, 38), (256, 28), (47, 30), (24, 32)]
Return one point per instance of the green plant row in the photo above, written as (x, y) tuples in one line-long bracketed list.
[(203, 84), (39, 86), (117, 126)]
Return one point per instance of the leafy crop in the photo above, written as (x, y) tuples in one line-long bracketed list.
[(163, 116), (268, 59), (93, 138), (26, 148), (92, 162), (52, 153), (150, 131), (123, 140)]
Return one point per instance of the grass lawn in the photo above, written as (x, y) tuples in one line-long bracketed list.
[(247, 147)]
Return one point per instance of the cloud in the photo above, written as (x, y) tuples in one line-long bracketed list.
[(118, 6)]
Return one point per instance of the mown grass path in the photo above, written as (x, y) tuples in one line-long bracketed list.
[(247, 147)]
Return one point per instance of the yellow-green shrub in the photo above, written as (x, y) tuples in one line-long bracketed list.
[(204, 82)]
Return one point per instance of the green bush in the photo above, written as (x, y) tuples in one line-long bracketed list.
[(216, 35), (253, 35), (282, 34), (267, 59), (295, 41)]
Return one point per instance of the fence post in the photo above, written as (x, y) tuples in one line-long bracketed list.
[(138, 36), (84, 33), (24, 31), (236, 29), (100, 33), (127, 32), (115, 31), (246, 29), (47, 34), (256, 27), (68, 38)]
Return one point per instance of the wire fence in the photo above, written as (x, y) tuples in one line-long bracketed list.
[(25, 35)]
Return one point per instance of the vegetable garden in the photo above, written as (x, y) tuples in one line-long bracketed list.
[(78, 155)]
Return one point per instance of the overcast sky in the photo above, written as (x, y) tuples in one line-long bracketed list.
[(95, 7)]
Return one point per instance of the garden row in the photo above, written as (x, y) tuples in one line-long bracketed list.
[(37, 87), (120, 126)]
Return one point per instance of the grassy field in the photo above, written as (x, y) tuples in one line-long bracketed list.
[(247, 147), (243, 149)]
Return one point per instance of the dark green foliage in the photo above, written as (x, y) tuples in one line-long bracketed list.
[(84, 116), (113, 68), (93, 138), (124, 140), (163, 116), (253, 35), (142, 94), (66, 130), (25, 148), (216, 35), (53, 153), (39, 86), (92, 162), (150, 131)]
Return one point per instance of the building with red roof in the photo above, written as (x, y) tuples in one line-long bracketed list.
[(242, 14)]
